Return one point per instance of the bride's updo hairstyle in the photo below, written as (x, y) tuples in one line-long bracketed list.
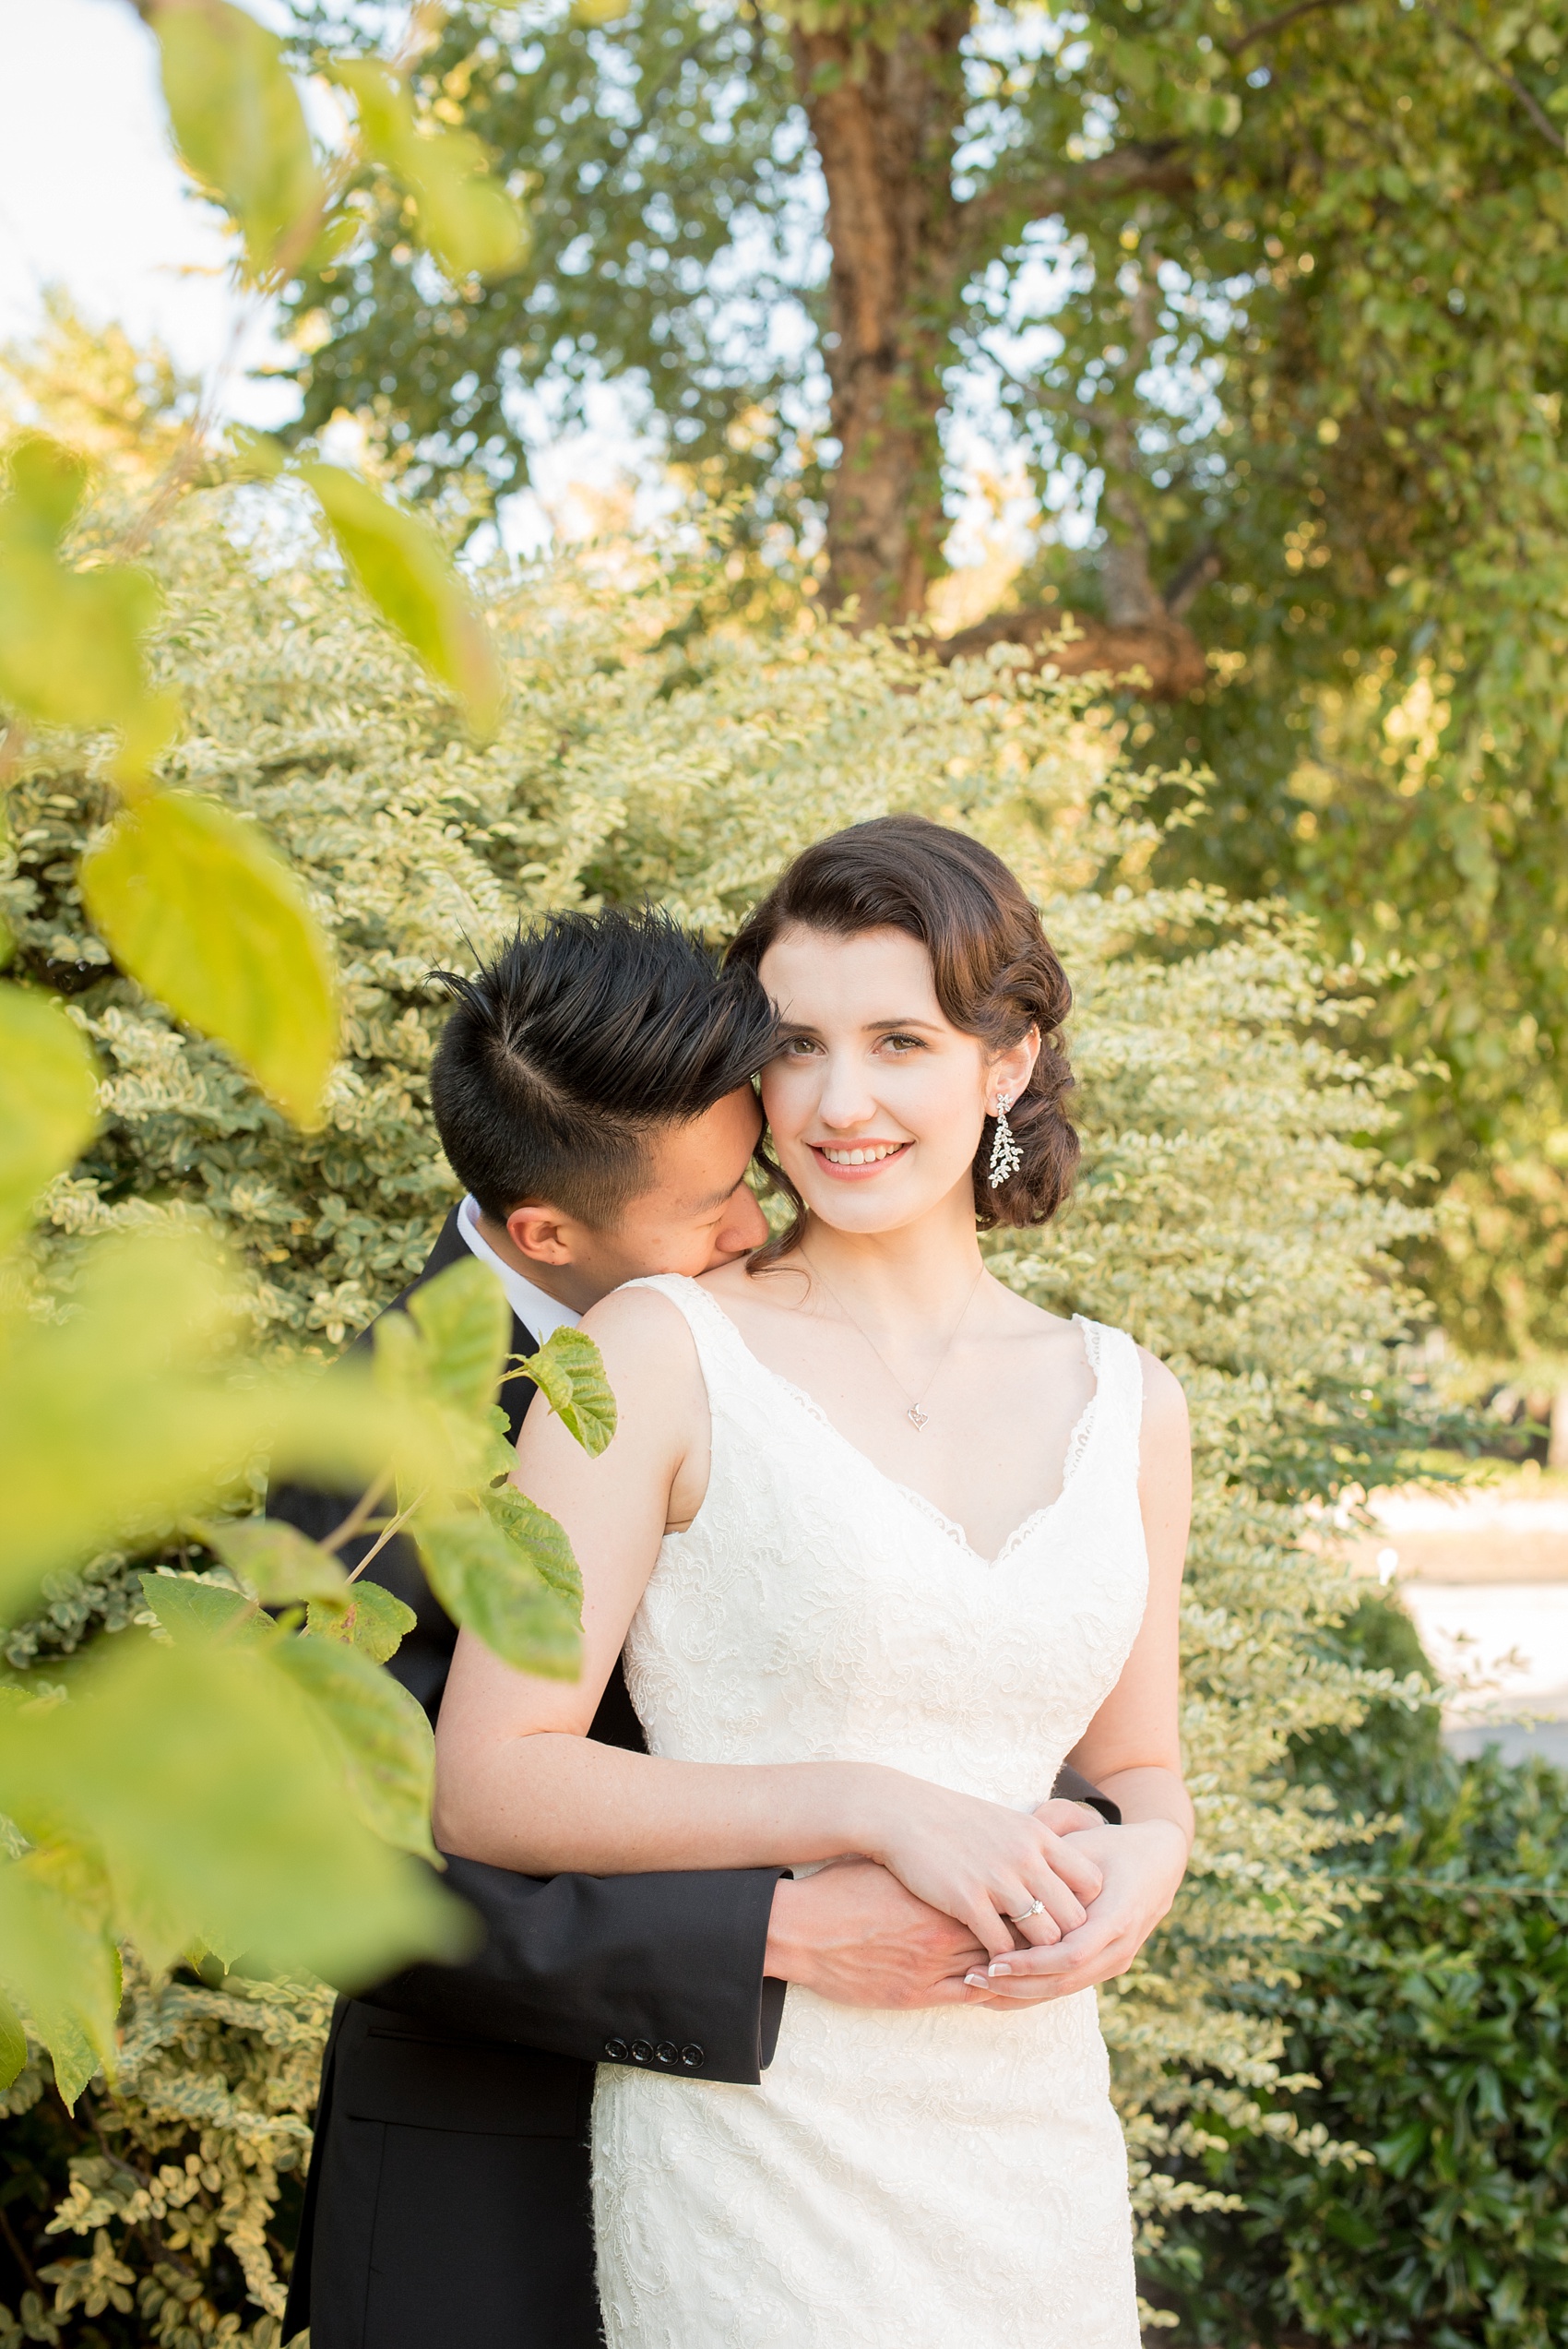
[(996, 975)]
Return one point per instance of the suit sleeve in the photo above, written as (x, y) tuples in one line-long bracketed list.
[(610, 1969), (1073, 1788)]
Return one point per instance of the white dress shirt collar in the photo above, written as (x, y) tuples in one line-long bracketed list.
[(540, 1316)]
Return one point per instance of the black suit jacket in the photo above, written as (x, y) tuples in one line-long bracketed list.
[(447, 2193)]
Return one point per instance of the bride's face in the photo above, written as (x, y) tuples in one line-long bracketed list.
[(875, 1100)]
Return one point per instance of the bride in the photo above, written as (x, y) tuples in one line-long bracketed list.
[(885, 1543)]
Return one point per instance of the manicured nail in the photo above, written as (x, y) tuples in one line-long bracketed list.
[(976, 1981), (999, 1968)]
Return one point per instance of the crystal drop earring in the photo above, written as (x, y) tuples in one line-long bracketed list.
[(1006, 1156)]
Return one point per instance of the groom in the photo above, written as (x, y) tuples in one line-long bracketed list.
[(592, 1091)]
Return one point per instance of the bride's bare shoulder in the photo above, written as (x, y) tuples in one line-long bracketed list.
[(642, 1325)]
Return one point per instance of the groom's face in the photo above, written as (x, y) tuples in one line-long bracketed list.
[(695, 1211)]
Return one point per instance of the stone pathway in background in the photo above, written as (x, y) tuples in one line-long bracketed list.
[(1485, 1579)]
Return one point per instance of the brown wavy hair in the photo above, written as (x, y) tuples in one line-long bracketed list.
[(996, 972)]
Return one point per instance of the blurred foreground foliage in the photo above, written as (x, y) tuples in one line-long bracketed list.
[(1232, 1210), (227, 1783)]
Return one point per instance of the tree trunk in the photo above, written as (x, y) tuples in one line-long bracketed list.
[(885, 120), (886, 115)]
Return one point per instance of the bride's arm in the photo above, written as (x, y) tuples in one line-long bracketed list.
[(520, 1783)]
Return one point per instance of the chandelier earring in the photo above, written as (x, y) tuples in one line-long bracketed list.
[(1006, 1156)]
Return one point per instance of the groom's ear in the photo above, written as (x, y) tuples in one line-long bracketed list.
[(542, 1232)]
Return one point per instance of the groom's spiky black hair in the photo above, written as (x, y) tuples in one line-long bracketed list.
[(585, 1035)]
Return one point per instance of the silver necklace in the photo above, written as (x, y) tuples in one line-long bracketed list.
[(913, 1414)]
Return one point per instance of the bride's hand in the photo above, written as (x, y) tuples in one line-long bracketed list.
[(1143, 1864), (981, 1862)]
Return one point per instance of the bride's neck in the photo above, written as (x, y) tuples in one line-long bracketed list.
[(924, 1271)]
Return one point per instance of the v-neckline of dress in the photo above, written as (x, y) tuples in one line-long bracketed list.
[(1077, 1444)]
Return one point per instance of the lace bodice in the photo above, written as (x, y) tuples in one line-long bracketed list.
[(815, 1608), (933, 2179)]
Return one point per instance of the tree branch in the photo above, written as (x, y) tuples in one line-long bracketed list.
[(1200, 569), (1271, 25), (1162, 169), (1526, 98)]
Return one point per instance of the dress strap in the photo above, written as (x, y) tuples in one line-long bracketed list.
[(1119, 1385)]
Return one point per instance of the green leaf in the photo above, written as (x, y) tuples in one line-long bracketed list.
[(373, 1621), (465, 1321), (48, 1101), (489, 1585), (278, 1561), (539, 1537), (71, 641), (58, 1960), (500, 1456), (202, 1775), (118, 1414), (568, 1370), (189, 1609), (1399, 2153), (205, 915), (126, 1413), (381, 1734), (465, 218), (46, 483), (406, 572), (240, 127), (256, 456), (13, 2044)]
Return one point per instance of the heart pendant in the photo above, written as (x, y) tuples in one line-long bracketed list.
[(917, 1417)]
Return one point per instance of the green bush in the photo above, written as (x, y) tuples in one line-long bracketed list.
[(1229, 1211), (1427, 2032)]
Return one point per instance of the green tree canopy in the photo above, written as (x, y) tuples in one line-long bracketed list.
[(1269, 302)]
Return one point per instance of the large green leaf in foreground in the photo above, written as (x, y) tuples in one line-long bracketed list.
[(407, 575), (207, 916), (490, 1574), (238, 125), (48, 1101), (71, 641), (568, 1370), (199, 1781), (465, 218)]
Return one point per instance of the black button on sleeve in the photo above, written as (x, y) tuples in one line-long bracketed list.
[(642, 2051), (668, 2052), (616, 2050), (694, 2056)]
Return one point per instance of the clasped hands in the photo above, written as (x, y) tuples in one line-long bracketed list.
[(854, 1934)]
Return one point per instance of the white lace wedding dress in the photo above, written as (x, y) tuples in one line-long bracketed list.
[(950, 2178)]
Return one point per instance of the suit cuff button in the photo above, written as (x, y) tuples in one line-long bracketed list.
[(616, 2050), (668, 2052), (642, 2051), (694, 2056)]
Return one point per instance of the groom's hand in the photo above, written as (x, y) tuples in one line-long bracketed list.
[(853, 1934)]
